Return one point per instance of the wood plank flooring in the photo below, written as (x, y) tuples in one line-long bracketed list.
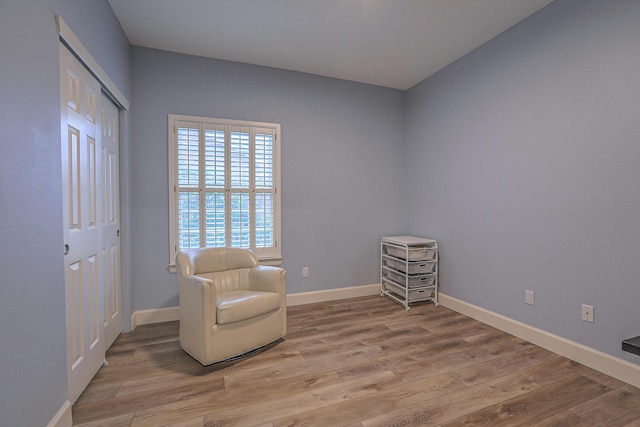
[(358, 362)]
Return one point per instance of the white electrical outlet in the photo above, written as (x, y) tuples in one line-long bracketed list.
[(528, 297), (305, 272), (587, 313)]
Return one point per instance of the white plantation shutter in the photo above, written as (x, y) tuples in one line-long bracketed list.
[(188, 194), (240, 186), (214, 186), (224, 177), (264, 187)]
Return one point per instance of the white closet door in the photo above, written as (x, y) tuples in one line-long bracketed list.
[(110, 220), (82, 216)]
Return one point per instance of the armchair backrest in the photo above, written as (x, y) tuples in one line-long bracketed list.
[(227, 267), (212, 260)]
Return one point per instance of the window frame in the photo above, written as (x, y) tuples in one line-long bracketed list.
[(274, 255)]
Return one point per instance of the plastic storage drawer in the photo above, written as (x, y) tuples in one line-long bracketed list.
[(414, 294), (415, 253), (414, 267), (412, 281)]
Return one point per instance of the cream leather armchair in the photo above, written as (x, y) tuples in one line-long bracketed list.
[(229, 304)]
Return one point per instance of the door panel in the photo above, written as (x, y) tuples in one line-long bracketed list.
[(111, 220), (81, 169)]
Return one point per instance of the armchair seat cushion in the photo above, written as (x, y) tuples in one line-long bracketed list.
[(236, 306)]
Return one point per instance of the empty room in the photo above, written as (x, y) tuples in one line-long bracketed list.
[(319, 137)]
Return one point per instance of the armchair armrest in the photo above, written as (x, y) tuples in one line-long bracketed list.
[(268, 279), (198, 298)]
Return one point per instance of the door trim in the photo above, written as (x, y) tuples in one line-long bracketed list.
[(63, 417), (73, 43)]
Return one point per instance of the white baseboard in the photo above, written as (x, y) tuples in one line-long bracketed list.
[(157, 315), (154, 315), (600, 361), (332, 294), (63, 417)]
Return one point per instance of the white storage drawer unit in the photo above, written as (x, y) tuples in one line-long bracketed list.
[(409, 269)]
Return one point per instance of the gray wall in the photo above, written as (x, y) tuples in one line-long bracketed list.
[(342, 159), (32, 313), (529, 150)]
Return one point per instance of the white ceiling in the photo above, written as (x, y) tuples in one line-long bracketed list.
[(391, 43)]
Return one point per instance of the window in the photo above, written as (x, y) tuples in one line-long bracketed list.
[(224, 185)]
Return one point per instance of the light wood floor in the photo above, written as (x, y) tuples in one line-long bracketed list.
[(359, 362)]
